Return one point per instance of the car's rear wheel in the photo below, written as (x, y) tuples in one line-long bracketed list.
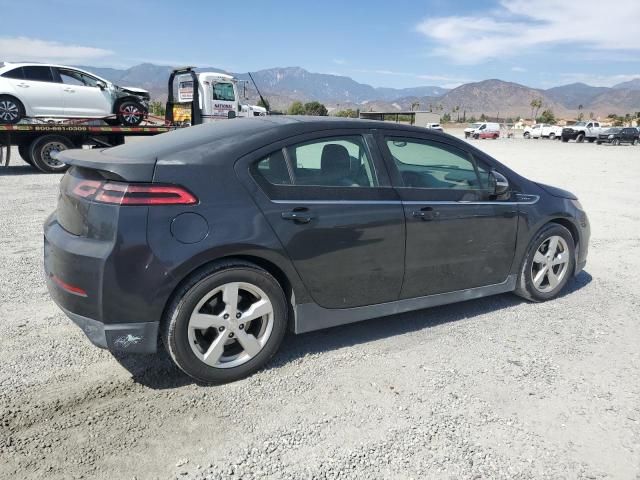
[(548, 264), (43, 153), (226, 322), (552, 136), (11, 110), (130, 113), (635, 142)]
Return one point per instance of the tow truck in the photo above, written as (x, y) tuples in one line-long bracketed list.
[(39, 142)]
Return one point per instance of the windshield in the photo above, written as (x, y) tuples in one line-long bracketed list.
[(224, 92), (614, 130), (580, 124)]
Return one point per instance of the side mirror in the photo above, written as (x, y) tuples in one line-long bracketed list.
[(498, 183), (101, 85), (231, 114)]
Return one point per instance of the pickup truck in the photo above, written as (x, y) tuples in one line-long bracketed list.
[(580, 131), (542, 130)]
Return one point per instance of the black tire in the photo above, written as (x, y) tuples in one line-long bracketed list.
[(552, 136), (525, 286), (526, 135), (598, 142), (25, 153), (11, 110), (635, 142), (615, 141), (175, 323), (565, 140), (130, 113), (591, 140), (580, 138), (43, 147)]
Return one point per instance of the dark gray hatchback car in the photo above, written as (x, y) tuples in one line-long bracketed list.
[(219, 237)]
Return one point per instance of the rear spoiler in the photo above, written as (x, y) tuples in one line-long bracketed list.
[(110, 166)]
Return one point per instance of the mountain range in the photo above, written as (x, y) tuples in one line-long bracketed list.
[(494, 97)]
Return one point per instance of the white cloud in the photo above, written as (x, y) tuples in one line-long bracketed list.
[(518, 69), (339, 61), (36, 50), (527, 24), (597, 80)]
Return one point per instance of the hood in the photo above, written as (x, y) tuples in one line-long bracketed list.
[(135, 90), (557, 192)]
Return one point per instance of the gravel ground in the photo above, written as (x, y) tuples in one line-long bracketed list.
[(491, 388)]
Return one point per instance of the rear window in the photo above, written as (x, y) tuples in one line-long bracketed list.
[(15, 73), (38, 73)]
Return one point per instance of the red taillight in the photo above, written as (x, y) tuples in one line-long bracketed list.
[(119, 193), (68, 287)]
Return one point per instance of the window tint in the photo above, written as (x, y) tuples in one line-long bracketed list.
[(73, 77), (223, 91), (38, 73), (274, 169), (335, 162), (15, 73), (433, 165)]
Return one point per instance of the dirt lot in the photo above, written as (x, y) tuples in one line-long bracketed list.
[(492, 388)]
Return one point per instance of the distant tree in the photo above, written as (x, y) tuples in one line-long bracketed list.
[(296, 108), (264, 104), (472, 119), (580, 116), (446, 118), (547, 117), (315, 108), (157, 108), (536, 105), (414, 106), (483, 118), (348, 113)]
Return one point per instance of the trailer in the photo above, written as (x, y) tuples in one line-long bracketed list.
[(38, 144)]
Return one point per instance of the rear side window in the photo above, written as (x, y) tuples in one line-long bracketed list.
[(38, 73), (327, 162), (15, 73)]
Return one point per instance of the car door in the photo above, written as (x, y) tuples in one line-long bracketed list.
[(458, 236), (331, 205), (36, 88), (82, 94)]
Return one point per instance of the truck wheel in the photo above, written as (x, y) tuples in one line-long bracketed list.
[(25, 153), (565, 140), (635, 142), (44, 149), (580, 138), (130, 113), (591, 140), (615, 141), (526, 135), (11, 110), (552, 136)]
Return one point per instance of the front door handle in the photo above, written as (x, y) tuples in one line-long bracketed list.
[(425, 213), (70, 90), (298, 215)]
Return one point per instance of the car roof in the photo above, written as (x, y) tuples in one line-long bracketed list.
[(240, 136), (6, 66)]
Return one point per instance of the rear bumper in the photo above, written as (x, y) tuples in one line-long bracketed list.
[(120, 337)]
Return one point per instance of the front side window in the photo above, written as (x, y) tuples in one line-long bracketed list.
[(223, 91), (433, 165), (73, 77), (38, 73)]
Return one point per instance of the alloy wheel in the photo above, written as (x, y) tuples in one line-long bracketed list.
[(230, 325), (9, 111), (131, 114), (550, 264)]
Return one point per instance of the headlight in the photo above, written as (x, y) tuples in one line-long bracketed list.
[(610, 136)]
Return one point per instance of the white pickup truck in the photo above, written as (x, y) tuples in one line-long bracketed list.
[(543, 130), (580, 131)]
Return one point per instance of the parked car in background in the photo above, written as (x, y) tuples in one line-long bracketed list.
[(468, 132), (487, 130), (38, 90), (530, 129), (618, 135), (277, 223), (435, 126), (581, 131)]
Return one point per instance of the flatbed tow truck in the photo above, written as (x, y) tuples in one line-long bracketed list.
[(38, 143)]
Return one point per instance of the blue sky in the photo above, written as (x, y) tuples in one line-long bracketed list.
[(402, 43)]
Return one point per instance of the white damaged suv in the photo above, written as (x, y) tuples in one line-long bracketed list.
[(56, 91)]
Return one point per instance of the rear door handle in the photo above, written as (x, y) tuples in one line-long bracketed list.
[(425, 213), (70, 90), (22, 85), (298, 215)]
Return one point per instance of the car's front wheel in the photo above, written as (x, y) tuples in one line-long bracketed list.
[(226, 322), (130, 113), (548, 264), (11, 110)]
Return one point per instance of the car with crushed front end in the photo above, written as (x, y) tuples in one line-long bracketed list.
[(219, 238), (54, 92)]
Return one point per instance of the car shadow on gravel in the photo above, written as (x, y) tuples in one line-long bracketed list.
[(159, 372), (13, 171)]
